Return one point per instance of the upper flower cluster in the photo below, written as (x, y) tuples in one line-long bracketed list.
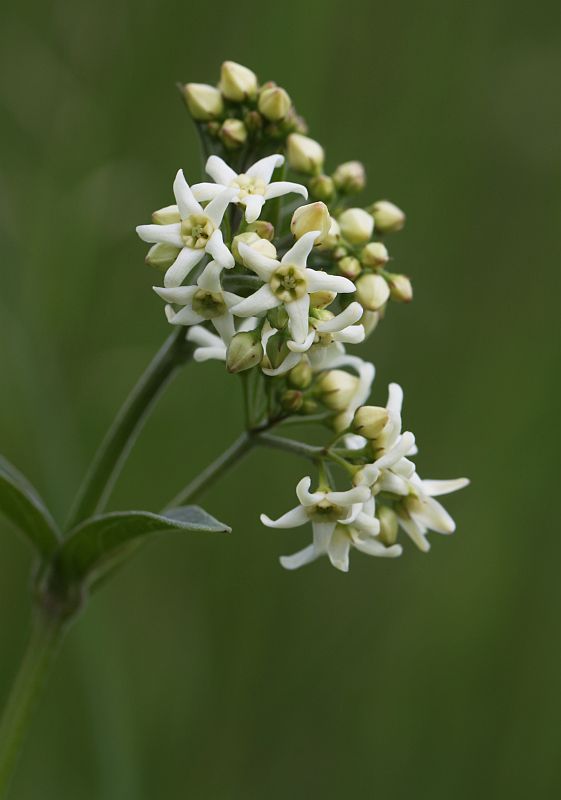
[(278, 276)]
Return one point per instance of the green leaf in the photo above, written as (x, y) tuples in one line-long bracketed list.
[(21, 504), (103, 543)]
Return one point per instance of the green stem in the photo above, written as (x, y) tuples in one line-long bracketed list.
[(45, 639), (111, 456), (290, 446)]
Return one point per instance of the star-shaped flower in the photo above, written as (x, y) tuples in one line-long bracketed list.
[(288, 282), (253, 188), (196, 231)]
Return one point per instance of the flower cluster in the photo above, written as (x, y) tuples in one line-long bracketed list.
[(275, 278)]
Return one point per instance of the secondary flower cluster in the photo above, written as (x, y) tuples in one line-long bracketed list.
[(277, 286)]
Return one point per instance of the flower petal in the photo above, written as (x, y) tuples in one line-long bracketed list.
[(303, 493), (164, 234), (253, 204), (374, 548), (358, 494), (435, 488), (184, 197), (354, 334), (217, 249), (204, 337), (280, 188), (224, 324), (179, 294), (300, 250), (206, 191), (262, 265), (291, 360), (219, 171), (320, 281), (349, 316), (299, 559), (257, 303), (264, 168), (292, 519), (217, 207), (186, 316), (182, 266), (302, 347), (298, 311), (416, 534), (338, 550), (322, 535)]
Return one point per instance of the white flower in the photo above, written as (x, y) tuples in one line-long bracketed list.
[(194, 232), (419, 512), (253, 188), (289, 283), (211, 346), (206, 300)]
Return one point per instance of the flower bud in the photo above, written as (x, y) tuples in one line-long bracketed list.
[(263, 229), (161, 256), (311, 217), (278, 317), (300, 376), (372, 291), (389, 525), (322, 188), (237, 83), (309, 407), (374, 254), (304, 154), (204, 102), (277, 349), (167, 215), (370, 421), (244, 351), (356, 225), (369, 321), (322, 298), (337, 388), (350, 177), (387, 216), (291, 400), (331, 241), (274, 103), (253, 240), (349, 267), (401, 289), (233, 133), (253, 121)]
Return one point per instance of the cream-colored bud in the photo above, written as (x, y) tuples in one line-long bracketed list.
[(304, 154), (166, 216), (372, 291), (370, 421), (387, 216), (350, 177), (244, 351), (300, 376), (389, 525), (322, 187), (374, 254), (253, 240), (161, 256), (401, 289), (311, 217), (332, 239), (203, 101), (337, 388), (263, 229), (274, 103), (237, 83), (233, 133), (322, 298), (369, 321), (356, 225), (349, 267)]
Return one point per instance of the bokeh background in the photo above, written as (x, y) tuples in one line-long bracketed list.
[(206, 671)]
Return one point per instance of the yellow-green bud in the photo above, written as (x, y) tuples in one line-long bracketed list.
[(278, 317), (300, 376), (322, 188), (233, 133), (350, 177), (349, 267), (253, 240), (244, 352), (304, 154), (372, 291), (322, 298), (401, 289), (309, 407), (311, 217), (237, 83), (389, 525), (263, 229), (274, 103), (167, 215), (161, 256), (337, 388), (253, 121), (356, 225), (277, 349), (374, 254), (370, 421), (387, 216), (291, 400), (204, 101)]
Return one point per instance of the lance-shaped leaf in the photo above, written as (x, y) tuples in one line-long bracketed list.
[(21, 504), (103, 543)]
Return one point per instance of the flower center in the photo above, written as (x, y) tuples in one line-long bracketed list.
[(208, 304), (248, 186), (288, 283), (196, 230), (324, 511)]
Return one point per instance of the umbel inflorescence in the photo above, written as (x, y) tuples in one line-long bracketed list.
[(276, 278)]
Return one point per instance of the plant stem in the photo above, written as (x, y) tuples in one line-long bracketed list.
[(290, 446), (46, 635), (120, 438), (208, 476)]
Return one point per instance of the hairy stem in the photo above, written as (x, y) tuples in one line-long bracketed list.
[(117, 444), (44, 642)]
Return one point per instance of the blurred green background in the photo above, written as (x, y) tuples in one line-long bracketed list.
[(206, 671)]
